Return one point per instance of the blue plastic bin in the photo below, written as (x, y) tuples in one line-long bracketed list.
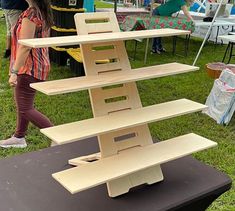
[(233, 10), (195, 7), (88, 5), (146, 2)]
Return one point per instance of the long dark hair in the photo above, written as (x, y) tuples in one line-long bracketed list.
[(45, 9)]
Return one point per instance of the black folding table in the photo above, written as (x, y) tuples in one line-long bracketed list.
[(26, 184)]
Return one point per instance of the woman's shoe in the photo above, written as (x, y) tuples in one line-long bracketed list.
[(162, 50), (155, 51), (13, 142)]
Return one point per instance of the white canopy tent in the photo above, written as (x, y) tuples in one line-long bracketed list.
[(203, 43), (137, 3)]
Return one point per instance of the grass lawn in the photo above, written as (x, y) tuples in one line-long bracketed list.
[(101, 4), (195, 86)]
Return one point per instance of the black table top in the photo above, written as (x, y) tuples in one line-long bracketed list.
[(26, 184)]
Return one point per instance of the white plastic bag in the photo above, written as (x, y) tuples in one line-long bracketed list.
[(221, 101)]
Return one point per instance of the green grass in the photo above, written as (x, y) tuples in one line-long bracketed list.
[(101, 4), (195, 86)]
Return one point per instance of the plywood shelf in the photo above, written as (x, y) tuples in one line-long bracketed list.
[(120, 120), (128, 157), (89, 82), (92, 174), (102, 37)]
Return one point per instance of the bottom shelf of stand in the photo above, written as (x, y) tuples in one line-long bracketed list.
[(129, 161)]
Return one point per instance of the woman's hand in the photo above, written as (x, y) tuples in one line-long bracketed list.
[(186, 12), (13, 80)]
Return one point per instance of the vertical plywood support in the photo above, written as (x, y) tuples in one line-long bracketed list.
[(122, 185), (111, 99)]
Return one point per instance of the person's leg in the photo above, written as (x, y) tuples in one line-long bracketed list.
[(157, 41), (157, 45), (23, 98), (8, 42), (8, 37), (154, 44), (24, 95), (14, 16), (11, 19)]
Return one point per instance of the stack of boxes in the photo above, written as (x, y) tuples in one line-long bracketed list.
[(64, 25)]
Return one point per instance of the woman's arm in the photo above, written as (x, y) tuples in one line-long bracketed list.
[(186, 12), (27, 31)]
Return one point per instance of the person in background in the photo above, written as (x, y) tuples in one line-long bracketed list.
[(167, 9), (29, 65), (12, 10)]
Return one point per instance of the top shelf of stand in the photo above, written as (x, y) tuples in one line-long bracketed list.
[(102, 37)]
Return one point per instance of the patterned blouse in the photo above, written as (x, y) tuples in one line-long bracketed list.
[(37, 64)]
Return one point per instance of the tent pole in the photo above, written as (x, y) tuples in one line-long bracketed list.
[(147, 41), (208, 32), (115, 6)]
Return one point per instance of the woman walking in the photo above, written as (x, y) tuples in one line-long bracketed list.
[(28, 65)]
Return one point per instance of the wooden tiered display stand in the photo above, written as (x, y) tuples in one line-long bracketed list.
[(128, 157)]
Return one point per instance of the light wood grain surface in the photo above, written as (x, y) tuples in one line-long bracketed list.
[(120, 120), (89, 175), (118, 77), (117, 110), (102, 37)]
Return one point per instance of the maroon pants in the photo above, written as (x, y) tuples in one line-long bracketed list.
[(24, 97)]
